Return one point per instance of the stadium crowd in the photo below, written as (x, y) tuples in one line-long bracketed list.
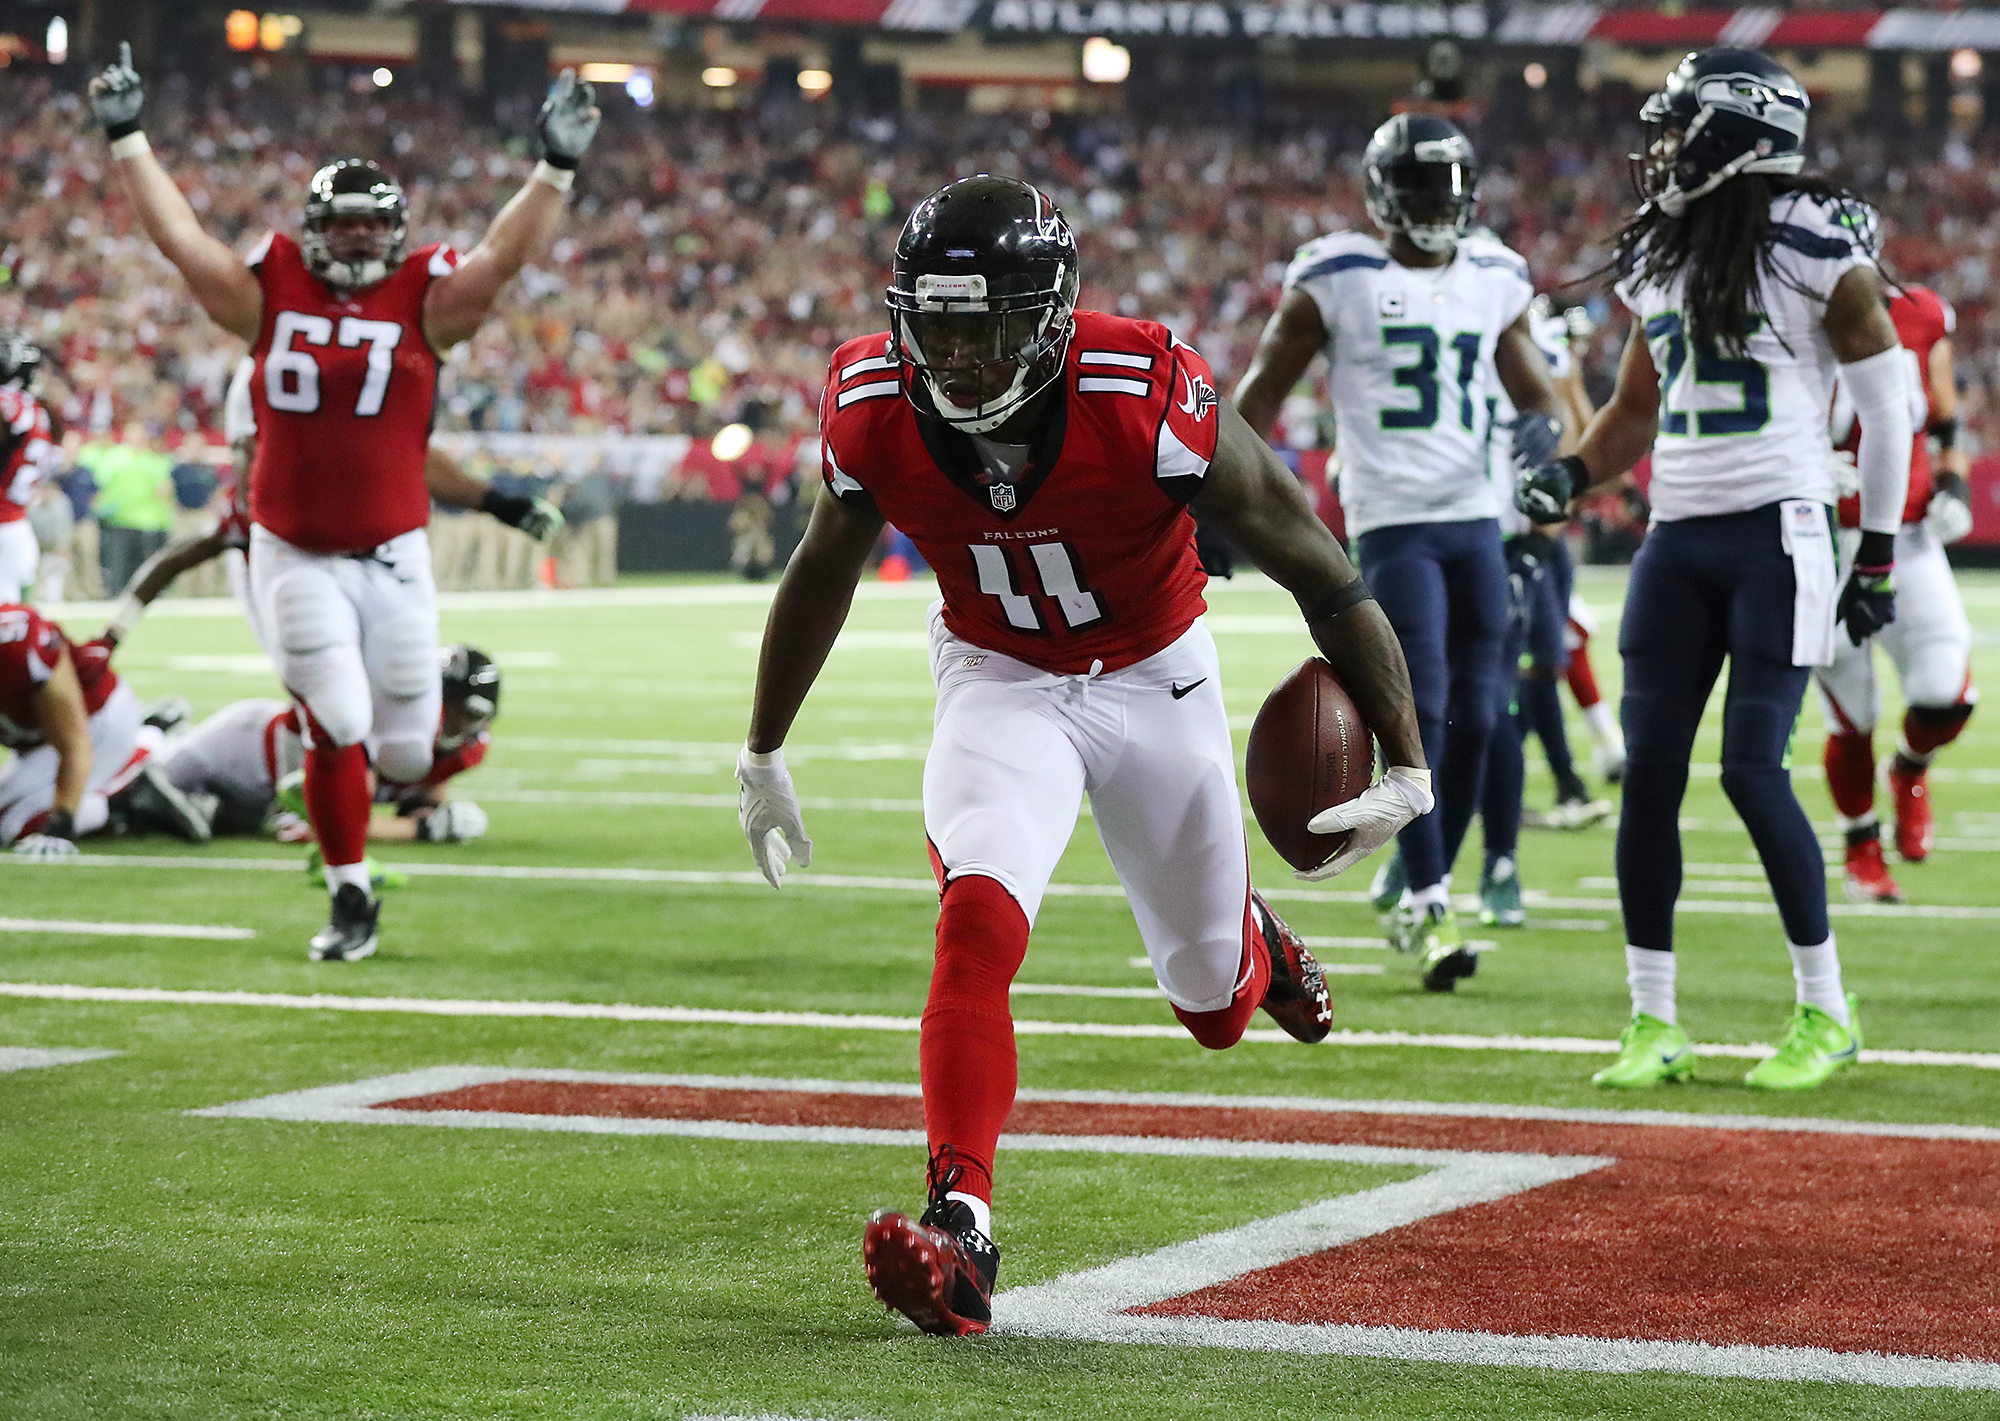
[(711, 264)]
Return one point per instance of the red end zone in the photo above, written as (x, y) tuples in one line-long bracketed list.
[(1726, 1236)]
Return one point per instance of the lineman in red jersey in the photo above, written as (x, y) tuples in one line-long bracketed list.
[(1930, 642), (1044, 461), (27, 453), (347, 335)]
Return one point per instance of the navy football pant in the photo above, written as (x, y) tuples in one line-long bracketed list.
[(1704, 589), (1506, 778), (1443, 587)]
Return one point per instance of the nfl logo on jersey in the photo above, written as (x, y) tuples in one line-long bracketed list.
[(1003, 497)]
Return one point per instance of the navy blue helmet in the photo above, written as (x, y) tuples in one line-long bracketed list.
[(1720, 113), (1421, 174)]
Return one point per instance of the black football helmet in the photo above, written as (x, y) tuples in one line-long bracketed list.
[(1421, 174), (352, 187), (20, 360), (472, 684), (983, 301), (1720, 113)]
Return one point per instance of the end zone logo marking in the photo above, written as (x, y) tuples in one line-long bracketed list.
[(1782, 1249)]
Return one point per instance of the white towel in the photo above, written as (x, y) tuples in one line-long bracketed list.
[(1808, 538)]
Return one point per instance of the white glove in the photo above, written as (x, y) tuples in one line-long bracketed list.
[(117, 94), (456, 821), (1948, 518), (1846, 476), (1375, 815), (769, 814), (542, 521), (568, 120), (45, 846)]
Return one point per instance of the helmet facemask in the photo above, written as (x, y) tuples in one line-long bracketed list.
[(1428, 200), (471, 695), (983, 346), (341, 251)]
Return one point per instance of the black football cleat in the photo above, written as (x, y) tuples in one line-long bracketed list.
[(1297, 998), (937, 1271), (167, 714), (349, 934), (152, 803)]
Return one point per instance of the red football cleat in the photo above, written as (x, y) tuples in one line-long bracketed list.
[(1868, 879), (1297, 997), (930, 1274), (1909, 787)]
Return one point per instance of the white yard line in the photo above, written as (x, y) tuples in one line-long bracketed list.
[(72, 925), (31, 1058), (618, 1011)]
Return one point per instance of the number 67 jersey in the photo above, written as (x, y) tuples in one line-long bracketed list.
[(343, 386), (1078, 550)]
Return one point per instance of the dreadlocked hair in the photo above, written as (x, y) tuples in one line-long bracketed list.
[(1722, 244)]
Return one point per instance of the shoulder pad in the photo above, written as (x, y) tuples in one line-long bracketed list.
[(1334, 253)]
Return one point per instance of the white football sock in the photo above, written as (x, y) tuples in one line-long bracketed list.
[(982, 1212), (1922, 761), (354, 873), (1817, 971), (1603, 723), (1650, 974), (1437, 895)]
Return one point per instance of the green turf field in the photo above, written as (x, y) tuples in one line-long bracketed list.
[(155, 1263)]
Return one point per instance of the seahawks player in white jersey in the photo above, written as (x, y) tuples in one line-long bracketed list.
[(1749, 284), (1422, 328)]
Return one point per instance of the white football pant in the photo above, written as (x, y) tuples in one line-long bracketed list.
[(20, 560), (1930, 642), (119, 745), (356, 641), (1014, 751), (238, 754)]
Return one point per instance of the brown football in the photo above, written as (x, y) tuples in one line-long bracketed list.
[(1309, 751)]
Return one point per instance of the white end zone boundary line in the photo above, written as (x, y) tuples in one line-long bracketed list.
[(1093, 1305)]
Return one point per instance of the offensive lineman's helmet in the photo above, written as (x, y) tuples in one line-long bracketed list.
[(352, 187), (983, 301), (472, 684), (1720, 113), (20, 359), (1421, 175)]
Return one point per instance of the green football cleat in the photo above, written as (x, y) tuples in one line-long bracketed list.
[(379, 875), (291, 794), (1651, 1052), (1431, 935), (1815, 1047), (1390, 881), (1500, 895)]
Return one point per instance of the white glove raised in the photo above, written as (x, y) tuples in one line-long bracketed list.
[(1375, 815), (117, 94), (1846, 475), (769, 814), (456, 821), (1948, 518), (568, 120), (45, 846)]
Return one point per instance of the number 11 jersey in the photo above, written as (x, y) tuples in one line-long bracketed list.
[(344, 388), (1085, 551)]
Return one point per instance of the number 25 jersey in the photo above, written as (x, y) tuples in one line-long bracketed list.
[(344, 389), (1086, 552)]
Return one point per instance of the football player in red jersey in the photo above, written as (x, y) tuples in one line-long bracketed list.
[(1044, 461), (347, 333), (27, 453), (1929, 642)]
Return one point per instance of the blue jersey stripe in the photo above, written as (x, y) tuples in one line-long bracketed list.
[(1813, 244), (1343, 262)]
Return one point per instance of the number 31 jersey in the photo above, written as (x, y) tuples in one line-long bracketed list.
[(343, 387), (1741, 430), (1411, 351), (1083, 553)]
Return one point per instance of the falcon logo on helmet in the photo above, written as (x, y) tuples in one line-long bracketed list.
[(349, 259), (472, 688), (1720, 113), (20, 359), (983, 300), (1421, 174)]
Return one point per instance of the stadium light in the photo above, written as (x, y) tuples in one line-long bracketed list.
[(58, 40), (719, 76), (1534, 76), (599, 73), (1105, 62), (383, 78), (815, 81), (731, 442), (639, 89), (274, 30), (240, 29), (1965, 64)]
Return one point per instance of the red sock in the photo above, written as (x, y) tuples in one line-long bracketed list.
[(338, 801), (1222, 1028), (1582, 679), (1850, 772), (966, 1051), (1927, 731)]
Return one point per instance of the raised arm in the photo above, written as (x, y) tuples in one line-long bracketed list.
[(457, 303), (1292, 337), (453, 487), (225, 287), (157, 573)]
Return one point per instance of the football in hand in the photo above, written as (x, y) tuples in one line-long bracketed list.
[(1309, 751)]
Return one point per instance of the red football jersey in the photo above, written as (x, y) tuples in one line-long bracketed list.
[(1086, 553), (344, 387), (27, 438), (30, 647), (1923, 318)]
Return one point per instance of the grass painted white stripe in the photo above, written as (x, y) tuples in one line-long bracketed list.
[(619, 1011), (32, 1058), (79, 926)]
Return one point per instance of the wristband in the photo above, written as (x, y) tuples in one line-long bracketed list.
[(509, 508), (127, 141), (1945, 431), (1876, 555), (60, 824), (1339, 600), (130, 610), (558, 173)]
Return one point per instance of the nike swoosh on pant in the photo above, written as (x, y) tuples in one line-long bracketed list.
[(1178, 691)]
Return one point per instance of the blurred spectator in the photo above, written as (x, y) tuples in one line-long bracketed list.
[(586, 550), (751, 551), (135, 502), (54, 523)]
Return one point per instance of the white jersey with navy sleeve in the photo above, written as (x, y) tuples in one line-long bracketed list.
[(1551, 337), (1741, 432), (1411, 350)]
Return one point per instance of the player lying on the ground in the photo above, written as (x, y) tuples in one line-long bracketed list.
[(78, 740), (1929, 643), (1043, 459), (242, 757), (347, 333), (28, 435), (1749, 284)]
